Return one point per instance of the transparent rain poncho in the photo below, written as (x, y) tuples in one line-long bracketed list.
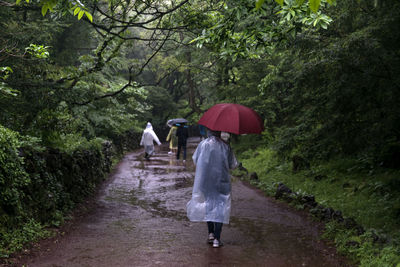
[(148, 137), (211, 196)]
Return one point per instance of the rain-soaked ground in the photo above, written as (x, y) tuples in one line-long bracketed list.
[(139, 219)]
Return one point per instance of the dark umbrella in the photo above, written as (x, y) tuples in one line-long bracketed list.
[(232, 118), (175, 121)]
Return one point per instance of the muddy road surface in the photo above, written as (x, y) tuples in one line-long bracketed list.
[(139, 219)]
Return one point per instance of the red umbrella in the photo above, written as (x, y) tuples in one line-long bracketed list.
[(232, 118)]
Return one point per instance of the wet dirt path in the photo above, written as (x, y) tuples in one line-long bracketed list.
[(139, 219)]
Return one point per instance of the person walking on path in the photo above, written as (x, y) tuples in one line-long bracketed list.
[(211, 195), (173, 140), (148, 138), (202, 130), (183, 134)]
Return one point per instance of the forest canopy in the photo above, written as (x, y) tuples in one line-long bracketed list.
[(324, 75), (322, 90)]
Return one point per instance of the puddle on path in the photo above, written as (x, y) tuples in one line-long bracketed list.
[(139, 219)]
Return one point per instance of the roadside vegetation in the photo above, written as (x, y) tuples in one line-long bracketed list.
[(351, 187)]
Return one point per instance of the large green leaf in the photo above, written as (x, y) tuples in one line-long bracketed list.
[(77, 9), (44, 9), (280, 2), (259, 3), (89, 16), (314, 5), (81, 14)]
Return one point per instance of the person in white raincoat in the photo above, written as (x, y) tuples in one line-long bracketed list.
[(211, 195), (148, 137)]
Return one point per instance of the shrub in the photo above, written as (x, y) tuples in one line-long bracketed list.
[(13, 178), (38, 185)]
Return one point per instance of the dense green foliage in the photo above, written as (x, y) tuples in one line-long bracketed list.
[(342, 99), (370, 199), (323, 92), (13, 177), (39, 185)]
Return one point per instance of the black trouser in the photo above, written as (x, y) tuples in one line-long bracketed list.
[(215, 228), (181, 145)]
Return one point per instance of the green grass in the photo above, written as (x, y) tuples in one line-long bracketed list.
[(14, 240), (370, 196)]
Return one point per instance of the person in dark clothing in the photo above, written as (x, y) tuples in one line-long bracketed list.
[(203, 133), (183, 134)]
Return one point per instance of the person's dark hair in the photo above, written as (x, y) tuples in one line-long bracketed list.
[(214, 133)]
